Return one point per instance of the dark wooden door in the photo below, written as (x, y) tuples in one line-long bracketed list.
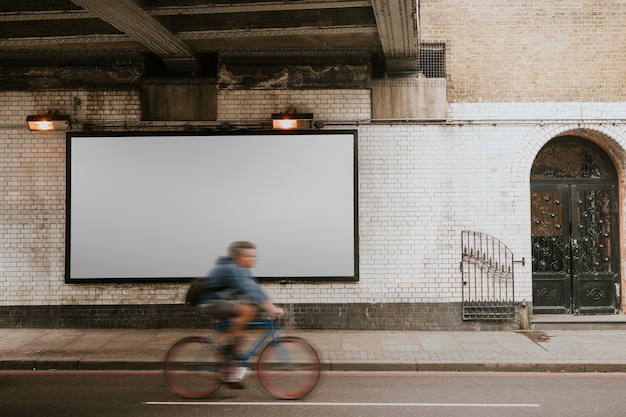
[(552, 285), (575, 230), (593, 243)]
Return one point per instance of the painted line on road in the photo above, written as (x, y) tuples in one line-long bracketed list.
[(335, 404)]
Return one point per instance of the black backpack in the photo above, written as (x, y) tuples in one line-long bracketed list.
[(195, 291)]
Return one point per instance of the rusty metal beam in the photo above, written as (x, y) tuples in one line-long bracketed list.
[(192, 10), (279, 6), (129, 18)]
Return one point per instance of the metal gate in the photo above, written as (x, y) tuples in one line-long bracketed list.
[(488, 278), (575, 249), (575, 230)]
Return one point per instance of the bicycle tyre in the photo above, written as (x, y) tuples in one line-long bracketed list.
[(193, 367), (289, 368)]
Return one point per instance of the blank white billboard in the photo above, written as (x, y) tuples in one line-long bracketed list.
[(165, 206)]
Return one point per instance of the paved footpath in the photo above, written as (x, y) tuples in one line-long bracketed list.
[(355, 350)]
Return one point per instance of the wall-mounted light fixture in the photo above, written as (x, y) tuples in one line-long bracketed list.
[(287, 121), (50, 121)]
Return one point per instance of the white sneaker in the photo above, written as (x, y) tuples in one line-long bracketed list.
[(236, 373)]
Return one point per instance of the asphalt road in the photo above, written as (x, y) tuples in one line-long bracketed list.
[(139, 394)]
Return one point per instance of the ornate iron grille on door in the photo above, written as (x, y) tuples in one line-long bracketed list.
[(488, 278)]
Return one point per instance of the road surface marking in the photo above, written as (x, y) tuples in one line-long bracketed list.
[(335, 404)]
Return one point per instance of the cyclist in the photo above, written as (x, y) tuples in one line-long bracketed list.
[(231, 293)]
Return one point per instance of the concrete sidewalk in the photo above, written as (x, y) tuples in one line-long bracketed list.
[(534, 351)]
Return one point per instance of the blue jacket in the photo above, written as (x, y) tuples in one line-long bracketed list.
[(227, 279)]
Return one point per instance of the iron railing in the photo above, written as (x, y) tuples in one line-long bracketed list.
[(487, 268)]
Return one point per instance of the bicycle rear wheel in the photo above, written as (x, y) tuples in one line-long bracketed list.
[(289, 368), (193, 367)]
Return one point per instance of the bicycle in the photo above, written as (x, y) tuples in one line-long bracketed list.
[(287, 367)]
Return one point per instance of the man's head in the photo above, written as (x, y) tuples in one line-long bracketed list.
[(243, 253)]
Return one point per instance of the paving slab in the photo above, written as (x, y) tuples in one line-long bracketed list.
[(352, 350)]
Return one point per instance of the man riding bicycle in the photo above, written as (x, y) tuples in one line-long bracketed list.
[(230, 292)]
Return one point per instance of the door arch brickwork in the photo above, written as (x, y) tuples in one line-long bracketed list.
[(591, 125), (575, 229)]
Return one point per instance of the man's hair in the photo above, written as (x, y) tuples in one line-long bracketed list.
[(236, 249)]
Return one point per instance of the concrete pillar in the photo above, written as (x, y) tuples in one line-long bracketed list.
[(409, 98)]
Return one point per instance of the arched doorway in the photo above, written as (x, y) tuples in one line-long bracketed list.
[(575, 229)]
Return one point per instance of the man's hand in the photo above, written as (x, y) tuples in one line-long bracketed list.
[(272, 310)]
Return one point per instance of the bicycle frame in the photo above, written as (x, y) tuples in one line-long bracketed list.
[(288, 367), (271, 333)]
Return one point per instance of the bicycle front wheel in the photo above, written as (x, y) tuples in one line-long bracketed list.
[(289, 368), (193, 367)]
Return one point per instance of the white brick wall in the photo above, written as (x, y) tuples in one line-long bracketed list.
[(419, 186)]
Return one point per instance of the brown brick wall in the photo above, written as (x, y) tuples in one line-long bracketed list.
[(529, 51)]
